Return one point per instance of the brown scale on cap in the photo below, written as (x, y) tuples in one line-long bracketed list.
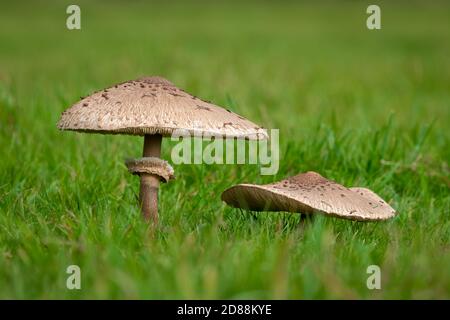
[(203, 108), (307, 193)]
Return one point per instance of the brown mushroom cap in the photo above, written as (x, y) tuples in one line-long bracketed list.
[(307, 193), (153, 105)]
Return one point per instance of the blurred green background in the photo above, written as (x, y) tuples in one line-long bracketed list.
[(365, 108)]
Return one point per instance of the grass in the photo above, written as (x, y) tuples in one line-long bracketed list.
[(365, 108)]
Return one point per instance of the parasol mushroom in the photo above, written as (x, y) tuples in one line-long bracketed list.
[(153, 107), (307, 193)]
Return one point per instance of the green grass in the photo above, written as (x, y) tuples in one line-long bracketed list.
[(365, 108)]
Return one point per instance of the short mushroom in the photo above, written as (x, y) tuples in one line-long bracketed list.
[(153, 107), (307, 193)]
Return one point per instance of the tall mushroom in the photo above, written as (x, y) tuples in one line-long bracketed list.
[(307, 193), (153, 107)]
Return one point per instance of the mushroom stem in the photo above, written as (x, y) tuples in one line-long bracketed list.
[(148, 195)]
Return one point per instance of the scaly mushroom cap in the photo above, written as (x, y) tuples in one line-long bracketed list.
[(307, 193), (153, 105)]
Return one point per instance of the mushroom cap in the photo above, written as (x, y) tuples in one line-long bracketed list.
[(307, 193), (153, 105)]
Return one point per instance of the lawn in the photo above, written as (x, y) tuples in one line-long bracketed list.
[(365, 108)]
